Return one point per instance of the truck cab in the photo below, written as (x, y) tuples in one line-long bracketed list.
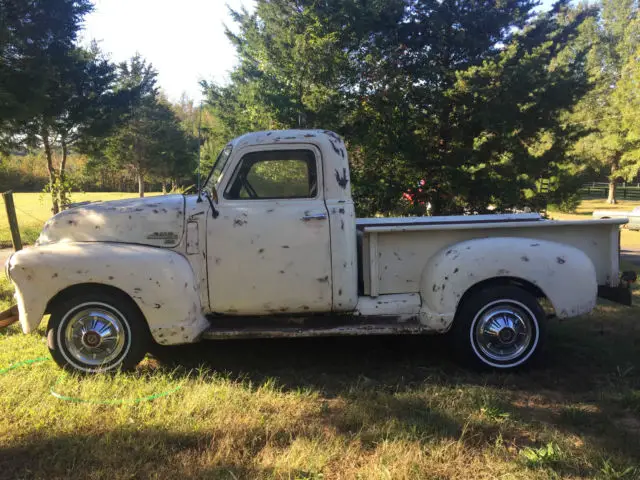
[(284, 237), (271, 247)]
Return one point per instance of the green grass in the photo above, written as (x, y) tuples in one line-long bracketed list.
[(334, 408), (33, 209)]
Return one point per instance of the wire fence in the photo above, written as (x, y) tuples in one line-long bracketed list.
[(597, 190)]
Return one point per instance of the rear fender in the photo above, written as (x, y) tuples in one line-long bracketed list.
[(160, 282), (564, 274)]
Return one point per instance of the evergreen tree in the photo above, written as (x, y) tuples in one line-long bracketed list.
[(608, 111), (464, 95), (35, 37), (150, 139)]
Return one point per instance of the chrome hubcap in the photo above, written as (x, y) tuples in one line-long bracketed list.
[(95, 336), (503, 332)]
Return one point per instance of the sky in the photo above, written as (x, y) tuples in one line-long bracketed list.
[(183, 39)]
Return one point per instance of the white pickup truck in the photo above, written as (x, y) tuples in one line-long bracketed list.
[(271, 247)]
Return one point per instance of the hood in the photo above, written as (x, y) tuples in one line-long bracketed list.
[(156, 221)]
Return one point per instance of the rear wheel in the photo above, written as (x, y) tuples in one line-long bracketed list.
[(500, 327), (97, 331)]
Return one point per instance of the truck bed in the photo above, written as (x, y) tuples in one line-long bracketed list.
[(394, 251)]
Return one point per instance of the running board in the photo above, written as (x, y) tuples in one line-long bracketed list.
[(218, 333)]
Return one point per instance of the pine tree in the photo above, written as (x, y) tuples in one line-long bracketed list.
[(464, 95), (606, 110)]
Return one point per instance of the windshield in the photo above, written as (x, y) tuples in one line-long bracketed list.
[(218, 167)]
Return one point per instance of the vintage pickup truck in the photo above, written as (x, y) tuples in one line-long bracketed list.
[(271, 247)]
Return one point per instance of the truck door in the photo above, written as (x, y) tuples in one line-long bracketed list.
[(269, 249)]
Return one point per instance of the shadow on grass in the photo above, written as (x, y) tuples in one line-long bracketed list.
[(376, 389), (585, 364), (144, 453)]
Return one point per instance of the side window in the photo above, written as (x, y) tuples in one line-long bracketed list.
[(274, 174)]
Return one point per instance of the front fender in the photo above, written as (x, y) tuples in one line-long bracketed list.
[(161, 282), (563, 273)]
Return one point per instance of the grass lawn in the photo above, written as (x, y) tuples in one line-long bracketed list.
[(629, 239), (369, 408), (33, 209)]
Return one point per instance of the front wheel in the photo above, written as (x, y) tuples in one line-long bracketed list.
[(501, 327), (97, 331)]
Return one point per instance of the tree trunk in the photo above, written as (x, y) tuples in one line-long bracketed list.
[(140, 184), (611, 199), (62, 192), (164, 187), (63, 162), (55, 207)]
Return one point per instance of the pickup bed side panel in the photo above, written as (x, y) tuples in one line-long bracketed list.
[(564, 274), (402, 252), (161, 282)]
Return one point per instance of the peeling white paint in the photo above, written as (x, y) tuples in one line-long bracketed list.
[(564, 274), (403, 305), (161, 282), (157, 221), (403, 251)]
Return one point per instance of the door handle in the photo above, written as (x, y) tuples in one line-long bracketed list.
[(314, 216)]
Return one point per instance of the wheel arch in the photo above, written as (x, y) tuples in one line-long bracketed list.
[(84, 288), (561, 273), (160, 282), (522, 283)]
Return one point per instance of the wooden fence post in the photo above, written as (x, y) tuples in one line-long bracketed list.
[(13, 220)]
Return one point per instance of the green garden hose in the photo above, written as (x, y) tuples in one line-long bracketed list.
[(66, 398), (23, 363)]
